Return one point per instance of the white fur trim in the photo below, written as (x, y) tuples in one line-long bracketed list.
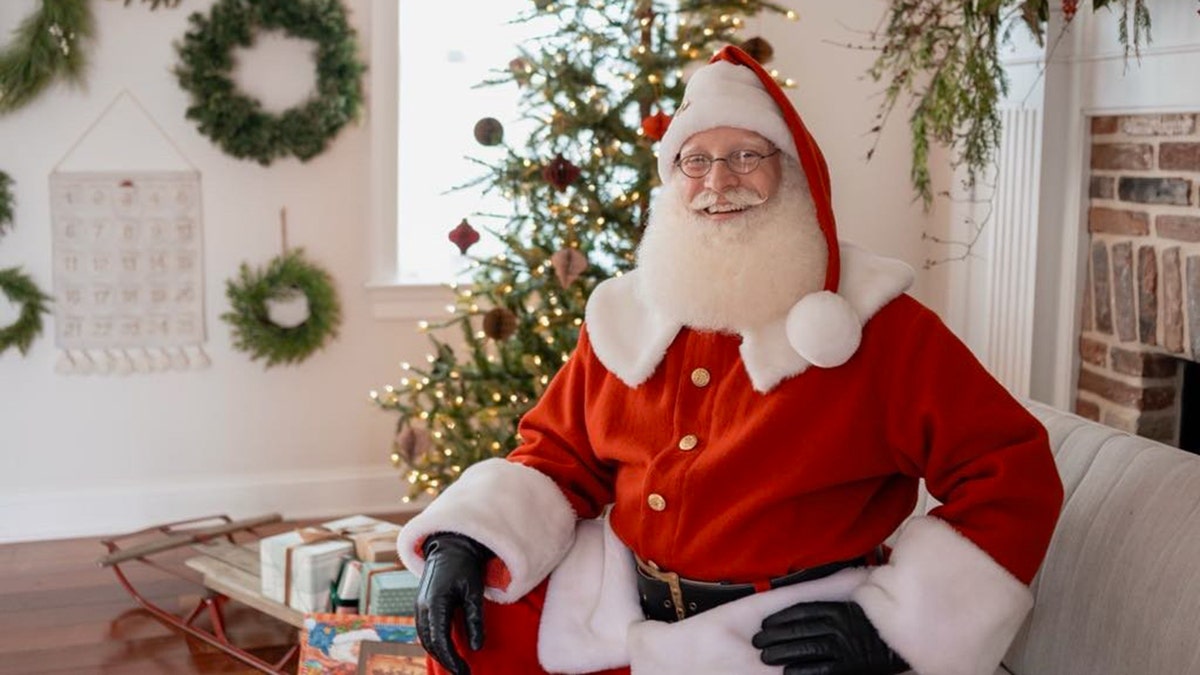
[(769, 357), (717, 642), (870, 281), (625, 331), (590, 603), (724, 94), (630, 338), (516, 511), (824, 329), (943, 603)]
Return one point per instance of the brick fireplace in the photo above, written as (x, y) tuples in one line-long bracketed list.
[(1140, 326)]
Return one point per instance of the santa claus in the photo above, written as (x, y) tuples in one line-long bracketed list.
[(709, 483)]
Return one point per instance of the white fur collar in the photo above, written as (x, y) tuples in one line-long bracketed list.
[(630, 338)]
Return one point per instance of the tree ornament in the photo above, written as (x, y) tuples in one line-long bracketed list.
[(412, 443), (522, 70), (560, 173), (6, 203), (499, 324), (654, 126), (542, 5), (236, 122), (464, 236), (1069, 8), (568, 264), (759, 49), (256, 333), (21, 290), (44, 47), (489, 131)]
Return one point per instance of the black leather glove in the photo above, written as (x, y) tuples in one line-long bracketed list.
[(453, 579), (825, 638)]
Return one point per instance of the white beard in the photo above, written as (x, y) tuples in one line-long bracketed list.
[(737, 274)]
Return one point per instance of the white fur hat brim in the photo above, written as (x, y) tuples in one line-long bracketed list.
[(724, 94)]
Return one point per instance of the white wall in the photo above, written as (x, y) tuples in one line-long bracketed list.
[(85, 455), (91, 454)]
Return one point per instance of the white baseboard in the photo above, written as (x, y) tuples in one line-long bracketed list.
[(101, 512)]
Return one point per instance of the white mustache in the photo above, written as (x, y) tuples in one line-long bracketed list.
[(738, 196)]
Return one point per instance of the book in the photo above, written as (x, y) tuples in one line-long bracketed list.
[(354, 644)]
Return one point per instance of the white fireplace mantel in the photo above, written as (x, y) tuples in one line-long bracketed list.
[(1024, 306)]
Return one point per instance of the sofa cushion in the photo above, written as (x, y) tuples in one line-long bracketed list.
[(1119, 591)]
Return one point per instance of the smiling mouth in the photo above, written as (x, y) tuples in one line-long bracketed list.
[(725, 208)]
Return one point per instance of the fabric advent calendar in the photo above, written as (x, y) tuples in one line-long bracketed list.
[(128, 253)]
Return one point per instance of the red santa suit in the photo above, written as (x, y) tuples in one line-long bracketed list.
[(743, 457)]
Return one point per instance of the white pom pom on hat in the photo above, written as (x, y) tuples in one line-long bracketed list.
[(734, 90), (824, 329)]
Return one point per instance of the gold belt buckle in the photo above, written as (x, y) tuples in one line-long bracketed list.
[(671, 579)]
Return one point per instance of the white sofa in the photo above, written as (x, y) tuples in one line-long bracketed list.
[(1119, 591)]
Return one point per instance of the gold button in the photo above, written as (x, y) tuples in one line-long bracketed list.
[(656, 501), (701, 377), (688, 442)]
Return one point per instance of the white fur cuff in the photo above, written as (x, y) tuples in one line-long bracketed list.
[(517, 512), (943, 603), (591, 601), (717, 642)]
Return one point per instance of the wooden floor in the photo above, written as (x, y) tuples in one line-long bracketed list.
[(61, 613)]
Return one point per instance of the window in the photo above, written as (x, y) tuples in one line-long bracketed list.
[(446, 49)]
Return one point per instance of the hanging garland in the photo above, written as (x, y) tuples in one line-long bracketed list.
[(945, 55), (21, 290), (237, 122), (44, 47), (256, 333)]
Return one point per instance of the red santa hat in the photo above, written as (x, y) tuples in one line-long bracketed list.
[(734, 90)]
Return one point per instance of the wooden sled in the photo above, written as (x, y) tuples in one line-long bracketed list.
[(225, 568)]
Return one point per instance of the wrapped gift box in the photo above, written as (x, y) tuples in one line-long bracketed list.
[(313, 556), (374, 539), (387, 590)]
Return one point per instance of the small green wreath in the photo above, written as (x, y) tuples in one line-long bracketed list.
[(21, 289), (237, 122), (45, 46), (6, 203), (254, 331)]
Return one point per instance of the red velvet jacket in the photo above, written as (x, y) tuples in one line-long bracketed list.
[(822, 467)]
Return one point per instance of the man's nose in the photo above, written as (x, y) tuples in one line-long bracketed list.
[(720, 178)]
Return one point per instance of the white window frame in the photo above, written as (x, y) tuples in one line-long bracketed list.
[(388, 297)]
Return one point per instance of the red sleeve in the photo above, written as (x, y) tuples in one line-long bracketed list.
[(554, 434), (982, 454)]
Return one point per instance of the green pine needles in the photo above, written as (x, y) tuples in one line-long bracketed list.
[(588, 84), (6, 203), (21, 290), (45, 47), (253, 330), (238, 123), (945, 56)]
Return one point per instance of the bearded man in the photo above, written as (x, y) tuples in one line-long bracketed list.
[(758, 404)]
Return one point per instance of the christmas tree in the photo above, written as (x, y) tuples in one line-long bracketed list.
[(600, 88)]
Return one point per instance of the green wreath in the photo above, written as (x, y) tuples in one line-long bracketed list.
[(6, 203), (237, 122), (45, 46), (253, 330), (20, 289)]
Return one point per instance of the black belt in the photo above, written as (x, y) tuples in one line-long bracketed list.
[(668, 597)]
